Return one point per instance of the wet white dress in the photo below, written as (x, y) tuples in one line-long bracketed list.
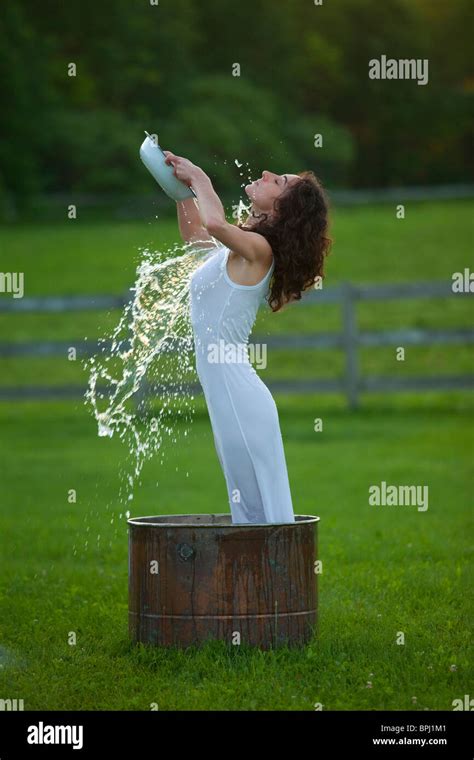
[(242, 411)]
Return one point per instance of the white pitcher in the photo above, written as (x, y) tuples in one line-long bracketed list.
[(154, 160)]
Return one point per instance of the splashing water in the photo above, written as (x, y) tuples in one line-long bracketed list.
[(148, 358), (141, 381)]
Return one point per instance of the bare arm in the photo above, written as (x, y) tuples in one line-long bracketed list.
[(190, 225), (252, 246), (189, 222)]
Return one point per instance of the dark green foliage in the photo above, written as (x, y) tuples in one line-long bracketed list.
[(168, 69)]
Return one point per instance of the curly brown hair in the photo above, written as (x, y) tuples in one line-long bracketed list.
[(298, 237)]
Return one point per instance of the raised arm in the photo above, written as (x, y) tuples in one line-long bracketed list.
[(250, 245), (189, 221), (190, 225)]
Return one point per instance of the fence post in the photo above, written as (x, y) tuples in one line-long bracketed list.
[(141, 397), (350, 341)]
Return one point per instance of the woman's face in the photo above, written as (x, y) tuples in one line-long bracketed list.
[(264, 191)]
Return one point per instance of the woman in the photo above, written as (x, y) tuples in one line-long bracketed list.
[(278, 253)]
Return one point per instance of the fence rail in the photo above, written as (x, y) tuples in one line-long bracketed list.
[(352, 383)]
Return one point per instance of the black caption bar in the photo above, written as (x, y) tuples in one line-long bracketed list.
[(381, 734)]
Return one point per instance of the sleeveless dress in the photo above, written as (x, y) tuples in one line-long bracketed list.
[(243, 414)]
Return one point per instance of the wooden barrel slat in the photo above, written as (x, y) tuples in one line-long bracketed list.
[(216, 579)]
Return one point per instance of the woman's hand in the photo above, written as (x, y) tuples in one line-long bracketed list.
[(211, 210), (184, 170)]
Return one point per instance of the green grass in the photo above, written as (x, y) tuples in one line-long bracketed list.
[(385, 569), (370, 245)]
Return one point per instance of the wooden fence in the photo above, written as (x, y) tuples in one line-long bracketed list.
[(348, 340)]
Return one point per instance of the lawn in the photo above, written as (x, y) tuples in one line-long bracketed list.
[(370, 245), (386, 570)]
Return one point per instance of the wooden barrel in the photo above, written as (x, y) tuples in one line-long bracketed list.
[(195, 578)]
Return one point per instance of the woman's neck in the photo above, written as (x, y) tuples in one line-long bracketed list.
[(253, 218)]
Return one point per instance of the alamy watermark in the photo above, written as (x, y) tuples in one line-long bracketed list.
[(402, 68), (463, 704), (11, 704), (463, 282), (12, 282), (237, 353), (46, 734), (386, 495)]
